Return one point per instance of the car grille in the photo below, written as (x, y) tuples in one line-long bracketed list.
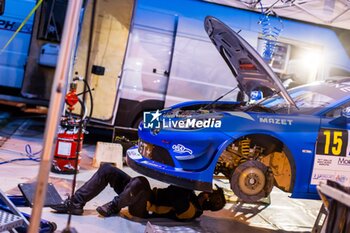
[(155, 153)]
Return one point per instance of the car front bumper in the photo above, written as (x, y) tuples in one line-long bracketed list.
[(165, 173)]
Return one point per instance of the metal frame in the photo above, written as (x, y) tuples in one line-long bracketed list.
[(12, 207), (326, 191)]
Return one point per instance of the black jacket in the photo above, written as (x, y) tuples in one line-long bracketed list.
[(174, 202)]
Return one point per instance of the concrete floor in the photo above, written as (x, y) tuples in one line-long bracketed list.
[(282, 215)]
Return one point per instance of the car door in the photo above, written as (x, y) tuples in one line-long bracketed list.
[(332, 153)]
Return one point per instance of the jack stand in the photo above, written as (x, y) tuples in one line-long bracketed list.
[(244, 210), (11, 221), (265, 200), (69, 230), (8, 222)]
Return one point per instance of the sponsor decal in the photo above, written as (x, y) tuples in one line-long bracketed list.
[(341, 179), (242, 115), (134, 154), (181, 149), (13, 26), (306, 151), (317, 176), (342, 87), (336, 177), (184, 157), (332, 160), (324, 162), (276, 121), (153, 120), (153, 164), (346, 112), (332, 142), (344, 161)]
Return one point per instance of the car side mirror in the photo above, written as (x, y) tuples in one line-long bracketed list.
[(343, 119)]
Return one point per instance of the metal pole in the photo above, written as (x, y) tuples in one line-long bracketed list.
[(55, 108)]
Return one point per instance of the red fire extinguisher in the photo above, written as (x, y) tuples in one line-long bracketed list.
[(65, 157), (68, 145)]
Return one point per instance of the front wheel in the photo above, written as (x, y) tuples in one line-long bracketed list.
[(251, 181)]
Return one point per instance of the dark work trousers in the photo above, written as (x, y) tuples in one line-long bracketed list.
[(132, 192)]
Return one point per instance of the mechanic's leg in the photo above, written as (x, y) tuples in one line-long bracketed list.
[(135, 196), (106, 174)]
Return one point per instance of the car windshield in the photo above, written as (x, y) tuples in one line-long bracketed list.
[(307, 101)]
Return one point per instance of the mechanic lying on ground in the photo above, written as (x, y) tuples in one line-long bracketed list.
[(171, 202)]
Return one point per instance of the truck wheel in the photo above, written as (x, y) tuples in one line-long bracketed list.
[(251, 181), (137, 122)]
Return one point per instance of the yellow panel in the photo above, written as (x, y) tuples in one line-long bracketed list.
[(281, 169)]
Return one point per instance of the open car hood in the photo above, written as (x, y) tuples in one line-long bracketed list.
[(249, 68)]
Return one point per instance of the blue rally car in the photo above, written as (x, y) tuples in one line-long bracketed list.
[(291, 139)]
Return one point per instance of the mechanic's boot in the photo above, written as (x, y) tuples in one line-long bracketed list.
[(68, 207), (108, 209)]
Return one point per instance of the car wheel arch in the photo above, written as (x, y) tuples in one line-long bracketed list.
[(270, 141)]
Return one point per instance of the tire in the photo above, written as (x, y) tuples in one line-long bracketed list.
[(251, 181), (53, 226), (137, 122)]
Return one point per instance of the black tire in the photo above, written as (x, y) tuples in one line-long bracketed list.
[(137, 122), (251, 181), (53, 226)]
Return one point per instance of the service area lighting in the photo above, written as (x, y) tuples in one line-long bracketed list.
[(312, 58)]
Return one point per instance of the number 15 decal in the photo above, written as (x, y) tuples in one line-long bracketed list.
[(332, 142)]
